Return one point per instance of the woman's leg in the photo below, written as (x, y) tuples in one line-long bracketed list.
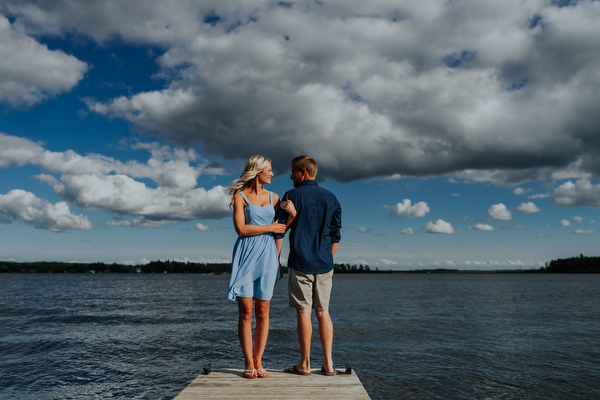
[(262, 331), (245, 330)]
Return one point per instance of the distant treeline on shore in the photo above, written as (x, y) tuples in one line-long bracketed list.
[(579, 264), (158, 267)]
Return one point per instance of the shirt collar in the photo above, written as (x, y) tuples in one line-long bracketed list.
[(310, 182)]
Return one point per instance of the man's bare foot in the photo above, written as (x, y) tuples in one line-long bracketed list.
[(295, 370), (326, 372)]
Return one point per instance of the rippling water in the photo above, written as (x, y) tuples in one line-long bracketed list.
[(434, 336)]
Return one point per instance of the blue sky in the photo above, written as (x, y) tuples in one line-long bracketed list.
[(458, 134)]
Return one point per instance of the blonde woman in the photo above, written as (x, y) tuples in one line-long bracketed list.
[(255, 263)]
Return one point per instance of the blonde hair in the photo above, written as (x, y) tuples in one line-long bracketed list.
[(254, 166)]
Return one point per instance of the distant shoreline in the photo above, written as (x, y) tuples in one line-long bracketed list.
[(581, 264)]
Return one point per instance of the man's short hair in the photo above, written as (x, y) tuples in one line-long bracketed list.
[(305, 162)]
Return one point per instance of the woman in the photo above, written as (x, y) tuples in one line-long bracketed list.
[(255, 264)]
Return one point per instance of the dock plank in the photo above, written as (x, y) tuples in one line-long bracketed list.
[(230, 384)]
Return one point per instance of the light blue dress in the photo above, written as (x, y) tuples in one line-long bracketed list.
[(255, 266)]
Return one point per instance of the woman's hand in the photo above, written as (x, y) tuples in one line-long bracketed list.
[(277, 228), (289, 207)]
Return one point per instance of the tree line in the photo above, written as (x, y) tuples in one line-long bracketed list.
[(581, 264), (159, 267), (168, 266), (577, 265)]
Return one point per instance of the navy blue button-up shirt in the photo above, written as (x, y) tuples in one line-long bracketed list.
[(316, 227)]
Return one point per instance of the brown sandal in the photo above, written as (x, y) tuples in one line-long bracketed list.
[(324, 372), (295, 370)]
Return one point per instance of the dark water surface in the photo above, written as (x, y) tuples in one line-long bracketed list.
[(433, 336)]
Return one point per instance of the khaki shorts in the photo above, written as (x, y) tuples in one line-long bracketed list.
[(308, 291)]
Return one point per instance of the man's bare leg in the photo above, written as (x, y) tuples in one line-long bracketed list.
[(305, 337), (326, 333)]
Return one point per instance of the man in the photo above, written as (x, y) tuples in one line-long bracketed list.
[(314, 238)]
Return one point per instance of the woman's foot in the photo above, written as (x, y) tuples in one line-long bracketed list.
[(250, 374), (262, 373)]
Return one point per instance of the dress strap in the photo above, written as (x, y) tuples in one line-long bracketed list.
[(271, 197), (245, 199)]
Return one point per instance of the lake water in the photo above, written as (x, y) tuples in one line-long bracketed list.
[(408, 336)]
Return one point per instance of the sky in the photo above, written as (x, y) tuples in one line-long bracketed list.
[(456, 134)]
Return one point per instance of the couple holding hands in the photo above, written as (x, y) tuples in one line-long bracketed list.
[(261, 219)]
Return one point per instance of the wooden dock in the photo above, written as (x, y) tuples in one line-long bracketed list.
[(230, 384)]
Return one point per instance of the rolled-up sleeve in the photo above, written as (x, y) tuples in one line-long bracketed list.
[(281, 216)]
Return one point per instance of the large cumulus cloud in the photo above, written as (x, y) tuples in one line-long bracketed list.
[(582, 193), (496, 90), (96, 182), (30, 72), (24, 207)]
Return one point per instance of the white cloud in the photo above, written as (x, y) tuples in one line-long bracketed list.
[(496, 263), (387, 263), (26, 208), (583, 232), (408, 231), (499, 211), (528, 208), (567, 222), (17, 151), (199, 260), (393, 177), (96, 182), (439, 226), (406, 209), (169, 167), (540, 196), (362, 229), (350, 80), (202, 227), (30, 72), (124, 195), (126, 224), (153, 22), (519, 191), (483, 227), (582, 193)]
